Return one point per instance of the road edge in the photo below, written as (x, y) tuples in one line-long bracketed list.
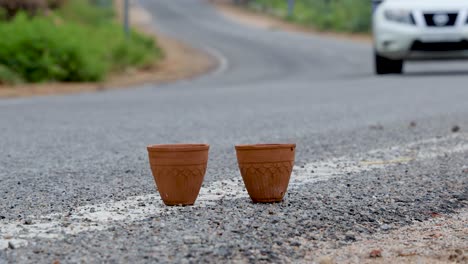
[(265, 21)]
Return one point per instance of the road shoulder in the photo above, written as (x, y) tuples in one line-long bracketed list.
[(442, 239), (264, 21)]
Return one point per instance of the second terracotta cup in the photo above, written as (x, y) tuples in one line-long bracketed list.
[(178, 171), (266, 170)]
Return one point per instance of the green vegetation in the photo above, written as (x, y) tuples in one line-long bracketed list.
[(8, 76), (75, 43), (336, 15)]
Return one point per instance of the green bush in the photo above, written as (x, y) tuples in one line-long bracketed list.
[(70, 49), (135, 54), (39, 50), (338, 15)]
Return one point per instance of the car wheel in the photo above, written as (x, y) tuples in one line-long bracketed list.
[(387, 66)]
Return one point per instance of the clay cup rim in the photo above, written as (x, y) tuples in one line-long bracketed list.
[(178, 147), (265, 146)]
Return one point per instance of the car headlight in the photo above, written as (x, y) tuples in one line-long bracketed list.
[(400, 16)]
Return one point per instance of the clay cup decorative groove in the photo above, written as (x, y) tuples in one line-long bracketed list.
[(266, 170), (178, 171)]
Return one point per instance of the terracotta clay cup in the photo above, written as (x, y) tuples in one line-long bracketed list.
[(178, 171), (266, 170)]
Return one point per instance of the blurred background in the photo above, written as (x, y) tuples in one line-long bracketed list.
[(336, 15), (67, 40)]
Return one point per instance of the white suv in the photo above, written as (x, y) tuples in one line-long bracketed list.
[(418, 30)]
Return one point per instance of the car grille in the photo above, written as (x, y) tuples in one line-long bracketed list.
[(430, 21), (440, 46)]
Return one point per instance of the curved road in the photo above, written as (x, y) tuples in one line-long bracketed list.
[(63, 157)]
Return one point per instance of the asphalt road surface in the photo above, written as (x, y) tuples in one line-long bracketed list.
[(75, 184)]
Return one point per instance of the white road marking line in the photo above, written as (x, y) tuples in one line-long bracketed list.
[(101, 216), (223, 63), (381, 158)]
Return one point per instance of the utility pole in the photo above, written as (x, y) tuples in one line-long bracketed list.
[(126, 18), (291, 4)]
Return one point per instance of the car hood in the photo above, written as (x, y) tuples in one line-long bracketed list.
[(428, 4)]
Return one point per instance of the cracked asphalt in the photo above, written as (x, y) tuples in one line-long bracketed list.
[(62, 152)]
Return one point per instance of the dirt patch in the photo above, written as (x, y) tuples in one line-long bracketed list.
[(443, 239), (180, 62), (265, 21)]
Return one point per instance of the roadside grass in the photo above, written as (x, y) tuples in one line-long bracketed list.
[(352, 16), (79, 42)]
